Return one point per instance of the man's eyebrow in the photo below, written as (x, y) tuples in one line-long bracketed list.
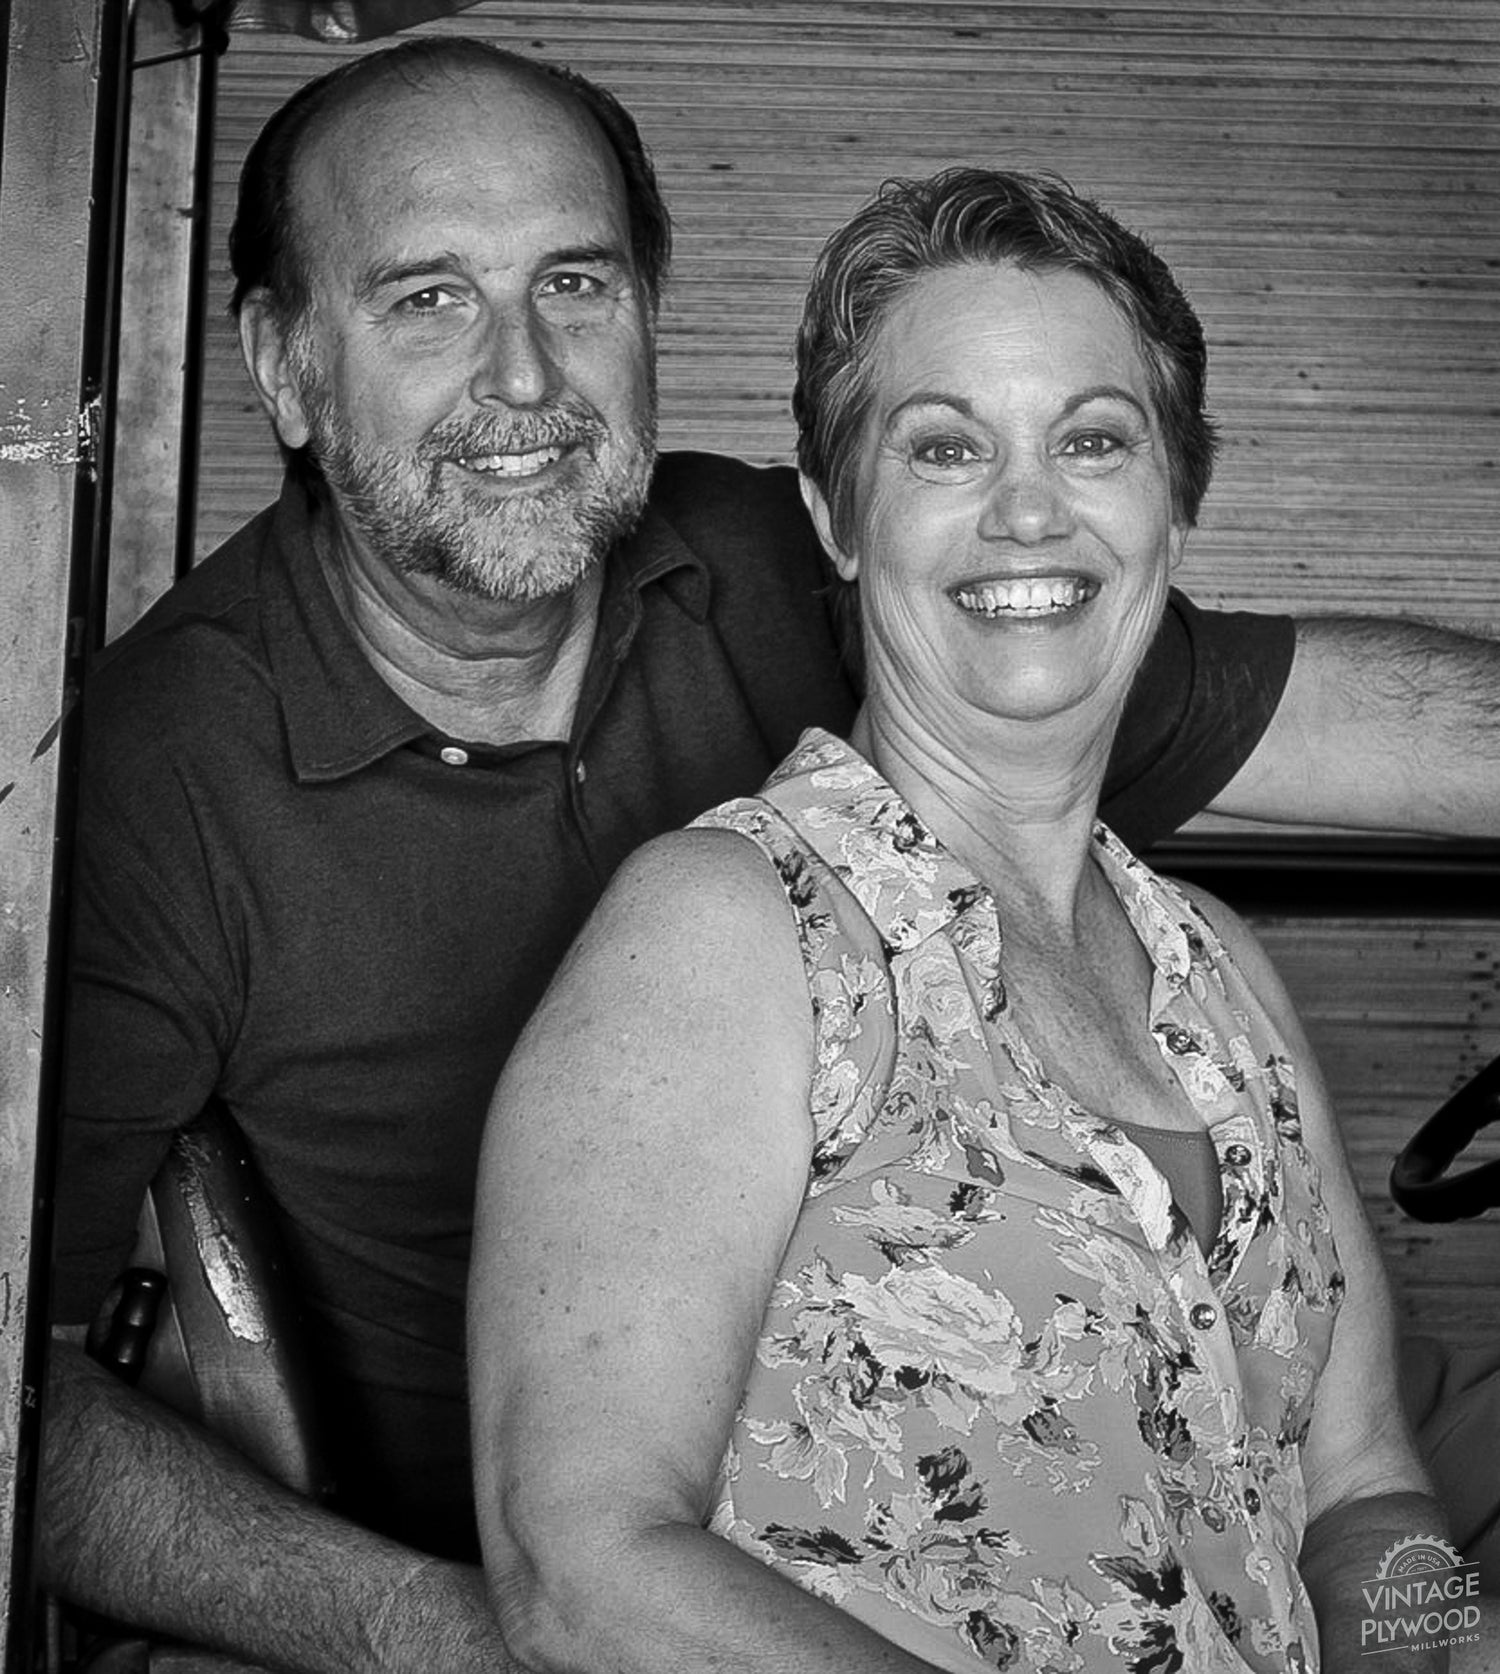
[(595, 254), (379, 276)]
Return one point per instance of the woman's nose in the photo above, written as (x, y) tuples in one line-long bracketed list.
[(1025, 503), (517, 366)]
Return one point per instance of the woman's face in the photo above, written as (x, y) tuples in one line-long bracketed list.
[(1013, 520)]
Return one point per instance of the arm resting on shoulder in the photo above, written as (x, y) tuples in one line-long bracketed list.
[(1384, 725), (645, 1161), (149, 1520)]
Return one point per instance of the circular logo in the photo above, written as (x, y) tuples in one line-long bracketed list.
[(1417, 1555)]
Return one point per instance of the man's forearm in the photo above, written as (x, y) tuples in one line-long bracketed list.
[(149, 1520), (1340, 1555), (1384, 725)]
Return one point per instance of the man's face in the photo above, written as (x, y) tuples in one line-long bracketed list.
[(474, 371)]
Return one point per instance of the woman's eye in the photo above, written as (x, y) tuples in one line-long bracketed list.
[(944, 451), (1093, 444)]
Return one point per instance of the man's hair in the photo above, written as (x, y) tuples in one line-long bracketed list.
[(263, 244), (964, 216)]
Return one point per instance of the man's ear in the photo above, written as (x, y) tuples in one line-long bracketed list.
[(817, 509), (263, 344)]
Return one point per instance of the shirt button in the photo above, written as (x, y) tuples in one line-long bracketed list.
[(580, 773), (1237, 1155), (1203, 1315), (454, 756)]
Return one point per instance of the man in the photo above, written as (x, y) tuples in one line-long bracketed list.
[(353, 786)]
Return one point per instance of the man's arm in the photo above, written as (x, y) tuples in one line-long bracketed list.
[(1383, 725), (148, 1519)]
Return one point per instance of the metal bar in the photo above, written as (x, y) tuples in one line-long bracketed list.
[(58, 155), (1286, 875)]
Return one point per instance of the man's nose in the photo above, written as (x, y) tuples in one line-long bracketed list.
[(517, 366), (1026, 503)]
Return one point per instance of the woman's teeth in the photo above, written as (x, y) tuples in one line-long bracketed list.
[(1029, 596), (514, 464)]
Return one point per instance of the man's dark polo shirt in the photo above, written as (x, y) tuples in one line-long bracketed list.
[(292, 895)]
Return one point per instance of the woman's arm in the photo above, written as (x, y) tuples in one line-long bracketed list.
[(1366, 1488), (644, 1164)]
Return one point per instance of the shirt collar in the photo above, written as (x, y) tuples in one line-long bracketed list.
[(907, 882), (913, 888), (340, 716)]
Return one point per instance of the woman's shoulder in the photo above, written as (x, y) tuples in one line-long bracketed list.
[(706, 868), (1243, 947), (691, 939), (702, 903)]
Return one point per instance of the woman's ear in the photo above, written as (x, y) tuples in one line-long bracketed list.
[(1177, 544), (817, 509), (263, 344)]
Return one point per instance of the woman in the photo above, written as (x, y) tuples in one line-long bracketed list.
[(932, 1249)]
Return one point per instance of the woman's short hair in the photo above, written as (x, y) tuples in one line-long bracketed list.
[(263, 245), (970, 215)]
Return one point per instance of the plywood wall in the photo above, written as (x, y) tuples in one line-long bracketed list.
[(1401, 1011), (1325, 178)]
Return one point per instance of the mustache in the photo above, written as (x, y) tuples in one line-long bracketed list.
[(561, 424)]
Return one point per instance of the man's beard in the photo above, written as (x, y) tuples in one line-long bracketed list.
[(417, 513)]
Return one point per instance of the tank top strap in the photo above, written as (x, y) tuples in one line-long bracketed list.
[(848, 980)]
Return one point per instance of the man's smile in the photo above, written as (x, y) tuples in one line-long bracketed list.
[(530, 463)]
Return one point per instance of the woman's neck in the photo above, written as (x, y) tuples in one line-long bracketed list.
[(1014, 801)]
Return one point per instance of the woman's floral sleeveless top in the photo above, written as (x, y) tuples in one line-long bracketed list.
[(1003, 1409)]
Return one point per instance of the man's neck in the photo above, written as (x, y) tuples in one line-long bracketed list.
[(489, 671)]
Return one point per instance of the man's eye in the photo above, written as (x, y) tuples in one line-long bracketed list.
[(572, 284), (428, 300), (944, 452)]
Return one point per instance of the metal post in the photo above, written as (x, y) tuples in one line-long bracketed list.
[(59, 155)]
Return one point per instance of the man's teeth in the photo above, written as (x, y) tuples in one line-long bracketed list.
[(1029, 596), (514, 464)]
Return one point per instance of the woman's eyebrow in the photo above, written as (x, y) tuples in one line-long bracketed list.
[(928, 398), (965, 408), (1105, 392)]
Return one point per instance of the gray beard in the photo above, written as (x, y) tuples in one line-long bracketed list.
[(414, 513)]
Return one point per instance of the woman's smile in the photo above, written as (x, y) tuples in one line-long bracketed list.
[(1014, 481), (1027, 598)]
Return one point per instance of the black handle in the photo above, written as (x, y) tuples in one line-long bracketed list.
[(1419, 1181), (123, 1346)]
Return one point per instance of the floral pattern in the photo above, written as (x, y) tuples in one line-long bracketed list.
[(1003, 1408)]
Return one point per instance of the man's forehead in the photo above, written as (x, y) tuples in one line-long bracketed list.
[(418, 148)]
